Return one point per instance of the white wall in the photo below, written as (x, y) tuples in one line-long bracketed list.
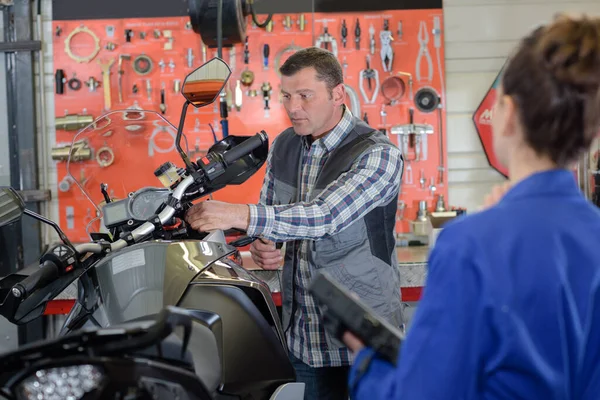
[(479, 36)]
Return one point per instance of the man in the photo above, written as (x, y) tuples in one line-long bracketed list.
[(330, 192)]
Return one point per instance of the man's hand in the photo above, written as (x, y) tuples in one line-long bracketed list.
[(352, 342), (496, 194), (265, 255), (212, 215)]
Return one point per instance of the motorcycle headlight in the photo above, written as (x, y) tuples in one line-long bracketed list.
[(65, 383)]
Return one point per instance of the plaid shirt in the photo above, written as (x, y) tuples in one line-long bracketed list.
[(373, 181)]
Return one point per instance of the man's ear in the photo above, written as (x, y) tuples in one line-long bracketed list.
[(338, 94)]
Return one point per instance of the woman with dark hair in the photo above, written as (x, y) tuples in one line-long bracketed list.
[(511, 308)]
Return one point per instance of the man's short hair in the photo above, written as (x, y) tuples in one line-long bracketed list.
[(323, 61)]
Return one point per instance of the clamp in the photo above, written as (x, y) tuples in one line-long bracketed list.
[(368, 74), (424, 52), (387, 54), (326, 39)]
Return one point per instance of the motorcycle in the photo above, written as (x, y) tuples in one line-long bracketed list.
[(143, 257)]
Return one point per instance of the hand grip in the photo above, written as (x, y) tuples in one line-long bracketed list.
[(244, 148), (47, 273)]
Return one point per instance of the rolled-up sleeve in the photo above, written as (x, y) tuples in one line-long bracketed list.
[(373, 180)]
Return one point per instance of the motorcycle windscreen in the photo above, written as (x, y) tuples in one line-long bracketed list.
[(141, 280), (122, 149)]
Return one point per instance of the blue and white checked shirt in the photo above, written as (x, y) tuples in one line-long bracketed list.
[(374, 180)]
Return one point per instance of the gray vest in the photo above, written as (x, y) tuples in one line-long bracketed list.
[(362, 256)]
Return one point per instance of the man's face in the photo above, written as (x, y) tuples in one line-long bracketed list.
[(308, 102)]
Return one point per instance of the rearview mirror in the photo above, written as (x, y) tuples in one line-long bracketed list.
[(11, 206), (203, 85)]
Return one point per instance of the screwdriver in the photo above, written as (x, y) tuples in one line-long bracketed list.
[(266, 56)]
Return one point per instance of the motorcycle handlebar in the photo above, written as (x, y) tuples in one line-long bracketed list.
[(47, 273), (245, 148)]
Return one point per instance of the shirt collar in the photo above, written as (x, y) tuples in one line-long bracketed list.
[(337, 134), (554, 182)]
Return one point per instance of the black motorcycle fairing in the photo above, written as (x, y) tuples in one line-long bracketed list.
[(121, 352)]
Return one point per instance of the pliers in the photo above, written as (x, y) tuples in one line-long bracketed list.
[(424, 52)]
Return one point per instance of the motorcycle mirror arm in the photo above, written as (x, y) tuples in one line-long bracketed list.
[(188, 164), (45, 220)]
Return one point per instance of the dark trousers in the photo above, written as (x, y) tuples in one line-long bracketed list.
[(328, 383)]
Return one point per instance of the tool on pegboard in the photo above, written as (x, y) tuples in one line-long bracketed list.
[(423, 38), (121, 72), (325, 39), (59, 78), (266, 52), (372, 38), (369, 74), (357, 34), (344, 33), (105, 66), (386, 52)]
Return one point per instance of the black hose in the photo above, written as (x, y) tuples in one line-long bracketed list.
[(255, 19)]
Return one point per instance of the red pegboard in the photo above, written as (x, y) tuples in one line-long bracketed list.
[(134, 164)]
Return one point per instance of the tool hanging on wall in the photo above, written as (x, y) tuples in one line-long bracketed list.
[(410, 82), (238, 95), (224, 114), (128, 35), (266, 91), (266, 51), (399, 31), (246, 52), (287, 22), (92, 84), (413, 132), (427, 100), (154, 138), (372, 38), (79, 151), (423, 39), (357, 34), (74, 83), (437, 44), (190, 58), (176, 86), (60, 80), (149, 89), (291, 48), (369, 75), (77, 58), (383, 115), (344, 33), (302, 22), (72, 122), (163, 105), (392, 89), (354, 100), (121, 72), (106, 81), (366, 118), (387, 53), (142, 65), (325, 39), (441, 166), (232, 58), (105, 157)]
